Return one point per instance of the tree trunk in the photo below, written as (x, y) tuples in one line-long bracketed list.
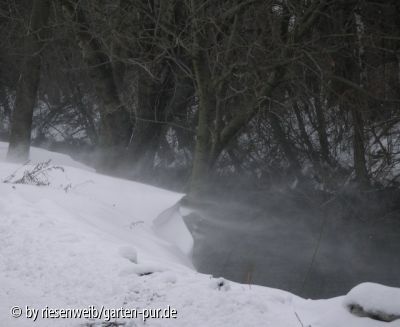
[(150, 120), (321, 128), (304, 135), (28, 84), (116, 127), (207, 102), (206, 106), (360, 165), (285, 144)]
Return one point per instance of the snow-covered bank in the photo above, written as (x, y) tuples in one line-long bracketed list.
[(91, 240)]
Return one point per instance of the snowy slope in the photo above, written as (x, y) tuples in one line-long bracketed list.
[(91, 240), (40, 155)]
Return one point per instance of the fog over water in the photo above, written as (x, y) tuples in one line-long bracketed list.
[(312, 253)]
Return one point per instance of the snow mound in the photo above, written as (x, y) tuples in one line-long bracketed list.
[(375, 301)]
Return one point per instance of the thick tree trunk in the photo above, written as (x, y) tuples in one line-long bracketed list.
[(116, 127), (206, 107), (360, 165), (28, 84), (207, 103), (212, 139), (150, 120)]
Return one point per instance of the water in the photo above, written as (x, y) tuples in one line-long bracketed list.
[(312, 253)]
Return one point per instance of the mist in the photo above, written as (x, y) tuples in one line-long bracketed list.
[(315, 250)]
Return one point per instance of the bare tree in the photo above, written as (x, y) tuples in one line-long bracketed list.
[(28, 82)]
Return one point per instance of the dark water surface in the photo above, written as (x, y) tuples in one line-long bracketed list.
[(313, 254)]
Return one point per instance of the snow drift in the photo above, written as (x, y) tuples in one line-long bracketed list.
[(84, 240)]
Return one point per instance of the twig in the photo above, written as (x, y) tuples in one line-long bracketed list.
[(298, 318), (316, 250)]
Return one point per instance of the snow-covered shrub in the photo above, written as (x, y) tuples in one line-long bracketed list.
[(34, 175)]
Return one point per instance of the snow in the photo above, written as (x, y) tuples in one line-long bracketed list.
[(92, 240), (170, 226), (39, 155), (375, 298)]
